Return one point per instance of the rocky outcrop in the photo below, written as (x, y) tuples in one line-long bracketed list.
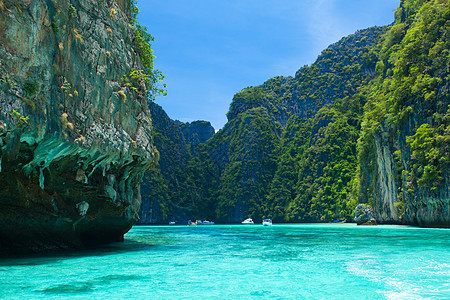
[(397, 198), (197, 132), (405, 171), (387, 189), (338, 72), (175, 191), (76, 140), (364, 215)]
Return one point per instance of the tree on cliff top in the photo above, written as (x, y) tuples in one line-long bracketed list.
[(152, 77)]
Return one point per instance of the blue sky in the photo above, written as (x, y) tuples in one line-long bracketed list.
[(211, 49)]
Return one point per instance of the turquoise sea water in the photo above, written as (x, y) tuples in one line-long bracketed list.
[(243, 262)]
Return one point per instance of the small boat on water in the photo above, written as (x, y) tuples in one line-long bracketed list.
[(171, 223), (206, 222), (190, 223), (338, 221), (267, 222), (247, 221)]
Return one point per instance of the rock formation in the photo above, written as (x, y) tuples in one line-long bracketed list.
[(368, 122), (75, 140), (176, 189), (364, 215), (405, 173)]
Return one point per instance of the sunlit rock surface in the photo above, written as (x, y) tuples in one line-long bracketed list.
[(364, 215), (74, 139)]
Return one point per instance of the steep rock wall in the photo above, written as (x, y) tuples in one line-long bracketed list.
[(387, 187), (75, 140), (397, 198), (175, 190), (247, 190), (405, 141), (338, 71)]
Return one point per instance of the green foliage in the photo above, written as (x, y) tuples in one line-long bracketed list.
[(66, 86), (143, 40), (186, 172), (20, 119), (246, 180), (155, 198), (430, 147), (31, 88), (283, 189), (304, 148), (55, 27), (72, 11), (328, 166), (409, 102), (135, 79), (249, 97)]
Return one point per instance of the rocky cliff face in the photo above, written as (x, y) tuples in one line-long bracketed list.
[(75, 140), (405, 144), (197, 132), (398, 195), (338, 71), (260, 162), (176, 189)]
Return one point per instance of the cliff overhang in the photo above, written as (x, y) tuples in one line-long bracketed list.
[(75, 131)]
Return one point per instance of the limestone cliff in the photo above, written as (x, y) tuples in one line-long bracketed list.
[(405, 141), (75, 139), (196, 133), (338, 72), (177, 189), (259, 154)]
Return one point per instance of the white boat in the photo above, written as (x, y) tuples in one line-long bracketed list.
[(171, 223), (247, 221), (267, 222)]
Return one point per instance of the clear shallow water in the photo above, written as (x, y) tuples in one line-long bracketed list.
[(243, 262)]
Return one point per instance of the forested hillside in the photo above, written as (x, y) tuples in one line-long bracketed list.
[(404, 143), (178, 188), (368, 122), (286, 146)]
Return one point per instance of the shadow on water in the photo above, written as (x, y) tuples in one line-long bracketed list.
[(80, 287), (143, 238), (75, 288), (34, 259)]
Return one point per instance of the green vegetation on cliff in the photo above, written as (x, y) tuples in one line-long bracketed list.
[(270, 159), (300, 165), (244, 183), (75, 140), (406, 119), (328, 165), (151, 76), (180, 187), (367, 122)]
